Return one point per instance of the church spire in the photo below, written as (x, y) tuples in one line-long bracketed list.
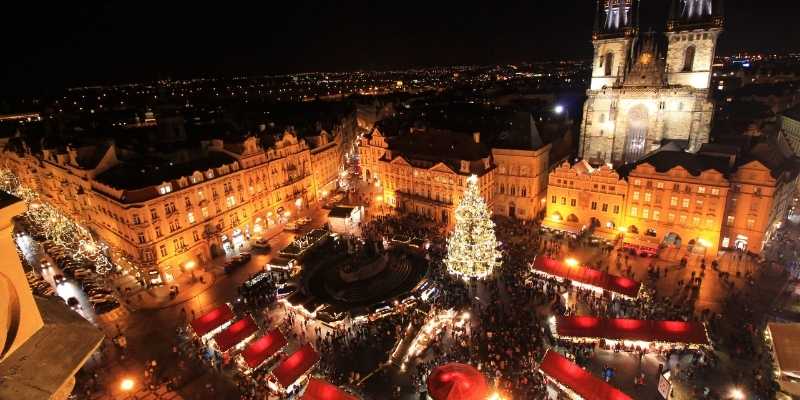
[(597, 17)]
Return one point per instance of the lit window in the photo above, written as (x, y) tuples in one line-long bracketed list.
[(696, 221), (645, 213), (682, 219), (190, 217), (204, 211), (635, 195), (685, 203), (660, 185), (656, 215), (647, 196), (701, 189), (231, 201), (673, 201), (751, 223), (634, 211), (729, 220), (164, 189), (715, 192)]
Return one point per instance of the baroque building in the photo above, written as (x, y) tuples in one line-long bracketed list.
[(160, 215), (639, 97), (721, 197)]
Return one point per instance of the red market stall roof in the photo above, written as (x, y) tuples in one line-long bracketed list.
[(212, 320), (577, 379), (632, 329), (456, 381), (238, 331), (263, 348), (589, 276), (318, 389), (294, 366)]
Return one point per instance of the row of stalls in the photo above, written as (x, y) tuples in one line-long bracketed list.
[(586, 278), (238, 338), (564, 377)]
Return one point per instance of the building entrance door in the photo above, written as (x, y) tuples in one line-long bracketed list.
[(636, 136)]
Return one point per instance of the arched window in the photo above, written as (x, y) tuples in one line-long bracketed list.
[(513, 190), (502, 189), (688, 59), (609, 63), (524, 191)]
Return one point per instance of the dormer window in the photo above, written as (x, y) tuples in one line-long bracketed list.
[(209, 174), (165, 188)]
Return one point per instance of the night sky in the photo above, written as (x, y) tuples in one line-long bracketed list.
[(69, 43)]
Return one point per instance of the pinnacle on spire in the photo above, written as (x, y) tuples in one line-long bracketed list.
[(597, 17)]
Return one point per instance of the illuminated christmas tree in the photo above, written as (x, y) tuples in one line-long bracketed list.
[(472, 247)]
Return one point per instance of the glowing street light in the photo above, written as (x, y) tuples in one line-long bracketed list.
[(558, 109), (127, 384), (190, 266), (737, 394), (571, 262)]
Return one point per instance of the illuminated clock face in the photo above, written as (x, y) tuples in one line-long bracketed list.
[(646, 58)]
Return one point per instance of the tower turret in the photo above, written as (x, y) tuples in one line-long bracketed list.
[(693, 29), (615, 28)]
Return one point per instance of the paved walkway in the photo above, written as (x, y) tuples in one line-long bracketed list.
[(189, 286)]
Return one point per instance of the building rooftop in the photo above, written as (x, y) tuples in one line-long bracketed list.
[(142, 173), (40, 367)]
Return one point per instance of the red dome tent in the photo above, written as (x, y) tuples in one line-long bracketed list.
[(318, 389), (456, 381)]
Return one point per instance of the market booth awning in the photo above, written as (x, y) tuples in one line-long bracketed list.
[(236, 333), (786, 347), (263, 348), (456, 381), (632, 330), (296, 365), (212, 320), (318, 389), (587, 276), (572, 377)]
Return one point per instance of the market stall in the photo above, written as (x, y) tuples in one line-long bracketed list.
[(293, 368), (346, 220), (631, 332), (237, 335), (262, 350), (455, 381), (586, 277), (786, 355), (317, 389), (575, 382), (213, 322)]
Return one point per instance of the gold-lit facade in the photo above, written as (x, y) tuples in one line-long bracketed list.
[(726, 204), (237, 191)]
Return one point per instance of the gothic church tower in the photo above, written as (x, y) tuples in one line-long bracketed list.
[(639, 97)]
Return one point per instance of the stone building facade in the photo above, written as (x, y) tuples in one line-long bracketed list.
[(639, 99), (162, 216), (718, 198)]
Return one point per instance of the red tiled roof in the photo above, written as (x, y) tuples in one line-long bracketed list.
[(456, 381), (294, 366), (263, 348), (589, 276), (577, 379), (318, 389), (235, 333), (212, 320), (632, 329)]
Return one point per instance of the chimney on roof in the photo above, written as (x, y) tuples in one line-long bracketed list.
[(476, 136)]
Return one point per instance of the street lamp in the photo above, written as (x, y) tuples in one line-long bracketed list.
[(127, 385), (558, 109), (737, 394), (571, 262), (190, 266)]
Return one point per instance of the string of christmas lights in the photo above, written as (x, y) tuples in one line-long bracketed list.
[(57, 227)]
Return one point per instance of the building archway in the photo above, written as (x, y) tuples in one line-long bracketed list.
[(633, 229), (572, 218), (636, 136), (741, 242), (672, 239)]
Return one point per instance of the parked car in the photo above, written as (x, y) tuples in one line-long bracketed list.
[(74, 304), (59, 279), (262, 244), (101, 308), (286, 290)]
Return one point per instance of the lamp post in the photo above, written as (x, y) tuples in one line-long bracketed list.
[(126, 385), (190, 266)]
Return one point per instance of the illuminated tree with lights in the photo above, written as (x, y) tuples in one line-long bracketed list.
[(56, 226), (472, 246)]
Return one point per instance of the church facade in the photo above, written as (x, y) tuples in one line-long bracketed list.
[(640, 96)]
